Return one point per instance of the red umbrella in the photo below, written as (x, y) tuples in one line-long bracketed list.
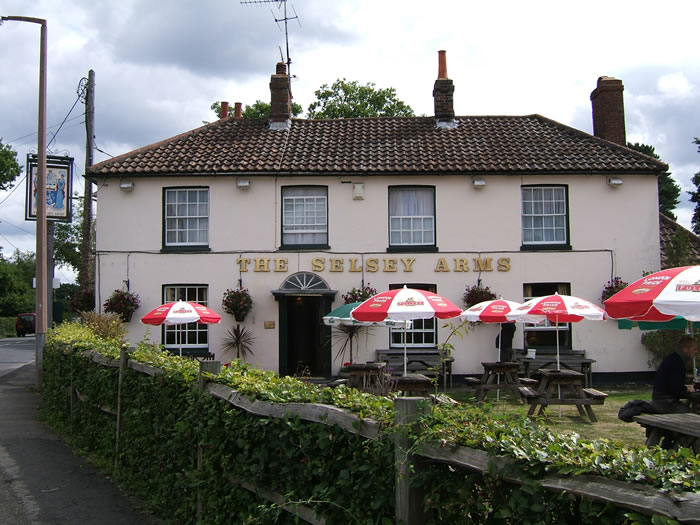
[(557, 309), (181, 312), (405, 304), (659, 296)]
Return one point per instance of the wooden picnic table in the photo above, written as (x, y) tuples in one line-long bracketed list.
[(685, 429), (563, 387), (499, 375)]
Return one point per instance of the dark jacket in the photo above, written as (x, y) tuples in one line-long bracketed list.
[(670, 378)]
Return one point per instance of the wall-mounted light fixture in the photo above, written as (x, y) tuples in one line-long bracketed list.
[(242, 184), (358, 191), (126, 185), (479, 183), (614, 182)]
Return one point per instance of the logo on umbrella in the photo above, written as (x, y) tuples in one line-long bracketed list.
[(688, 287), (410, 302)]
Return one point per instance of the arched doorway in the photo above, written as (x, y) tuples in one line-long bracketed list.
[(304, 298)]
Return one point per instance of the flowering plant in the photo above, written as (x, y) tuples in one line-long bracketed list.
[(477, 294), (612, 287), (237, 302), (359, 294), (122, 303)]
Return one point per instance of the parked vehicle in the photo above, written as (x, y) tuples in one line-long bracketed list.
[(25, 324)]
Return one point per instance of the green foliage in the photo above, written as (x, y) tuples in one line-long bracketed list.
[(259, 109), (9, 167), (350, 99), (660, 343), (68, 238), (105, 326), (679, 251), (239, 340), (237, 302), (16, 292), (669, 190), (477, 294), (342, 476)]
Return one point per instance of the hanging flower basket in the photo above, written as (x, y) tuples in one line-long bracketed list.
[(122, 303), (612, 287), (357, 295), (477, 294), (238, 303)]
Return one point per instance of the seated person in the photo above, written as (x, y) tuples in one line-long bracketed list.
[(669, 383)]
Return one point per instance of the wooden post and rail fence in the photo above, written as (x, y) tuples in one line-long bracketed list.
[(408, 499)]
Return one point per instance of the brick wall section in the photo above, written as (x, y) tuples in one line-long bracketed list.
[(280, 99), (444, 100), (609, 110)]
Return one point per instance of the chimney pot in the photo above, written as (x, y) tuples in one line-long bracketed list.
[(609, 110), (223, 114), (442, 64), (237, 110), (280, 96), (281, 68)]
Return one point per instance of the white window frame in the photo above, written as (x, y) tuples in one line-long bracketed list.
[(412, 216), (544, 214), (423, 332), (304, 216), (546, 325), (190, 336), (186, 217)]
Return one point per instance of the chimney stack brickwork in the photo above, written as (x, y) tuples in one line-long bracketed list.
[(609, 110), (223, 114), (280, 101), (443, 93), (237, 110)]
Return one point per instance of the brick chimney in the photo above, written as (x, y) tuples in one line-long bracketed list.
[(237, 110), (280, 101), (223, 114), (609, 110), (443, 91)]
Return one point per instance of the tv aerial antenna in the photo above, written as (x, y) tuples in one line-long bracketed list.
[(285, 18)]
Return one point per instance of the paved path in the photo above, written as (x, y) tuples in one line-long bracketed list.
[(41, 481)]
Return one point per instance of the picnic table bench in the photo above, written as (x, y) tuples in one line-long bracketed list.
[(428, 362), (562, 387), (575, 360), (684, 427)]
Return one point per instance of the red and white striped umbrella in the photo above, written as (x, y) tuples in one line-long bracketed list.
[(493, 311), (181, 312), (405, 304), (557, 309), (659, 296)]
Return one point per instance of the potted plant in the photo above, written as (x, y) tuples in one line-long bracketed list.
[(238, 303), (359, 294), (477, 294), (612, 287), (123, 303), (240, 340)]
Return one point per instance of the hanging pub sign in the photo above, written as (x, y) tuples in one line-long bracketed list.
[(59, 186)]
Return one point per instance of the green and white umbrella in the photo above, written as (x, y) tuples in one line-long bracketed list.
[(342, 316)]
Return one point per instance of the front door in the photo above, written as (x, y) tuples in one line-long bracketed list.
[(305, 352)]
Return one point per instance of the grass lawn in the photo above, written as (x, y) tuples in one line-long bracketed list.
[(608, 425)]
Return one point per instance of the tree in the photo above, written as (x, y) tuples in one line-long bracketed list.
[(16, 292), (695, 197), (258, 110), (9, 167), (68, 238), (350, 99), (669, 190)]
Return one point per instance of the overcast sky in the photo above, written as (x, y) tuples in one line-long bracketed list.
[(159, 64)]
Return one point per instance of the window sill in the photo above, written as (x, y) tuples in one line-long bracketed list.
[(304, 247), (545, 247), (412, 249), (185, 249)]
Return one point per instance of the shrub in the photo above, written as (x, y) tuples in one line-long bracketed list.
[(106, 326)]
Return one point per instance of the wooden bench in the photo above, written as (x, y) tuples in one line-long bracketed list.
[(425, 361), (528, 392), (595, 395), (575, 360)]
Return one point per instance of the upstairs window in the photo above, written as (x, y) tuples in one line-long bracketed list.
[(544, 216), (186, 217), (411, 216), (304, 216)]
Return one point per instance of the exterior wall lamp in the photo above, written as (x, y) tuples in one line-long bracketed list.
[(242, 184), (614, 182), (126, 186), (479, 183)]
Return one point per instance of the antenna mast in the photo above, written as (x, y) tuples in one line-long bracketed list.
[(285, 19)]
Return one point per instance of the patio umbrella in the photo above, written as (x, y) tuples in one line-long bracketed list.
[(405, 304), (181, 312), (341, 317), (659, 296), (557, 309)]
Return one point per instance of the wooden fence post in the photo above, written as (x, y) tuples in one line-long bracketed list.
[(212, 367), (409, 500), (123, 363)]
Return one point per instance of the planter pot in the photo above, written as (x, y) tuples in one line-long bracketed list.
[(126, 317), (239, 318)]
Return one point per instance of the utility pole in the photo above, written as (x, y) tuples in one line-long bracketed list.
[(41, 261), (86, 272)]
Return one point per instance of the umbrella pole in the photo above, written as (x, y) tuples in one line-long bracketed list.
[(405, 351), (556, 334), (498, 376)]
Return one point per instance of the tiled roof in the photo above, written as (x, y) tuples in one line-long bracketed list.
[(667, 231), (382, 145)]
